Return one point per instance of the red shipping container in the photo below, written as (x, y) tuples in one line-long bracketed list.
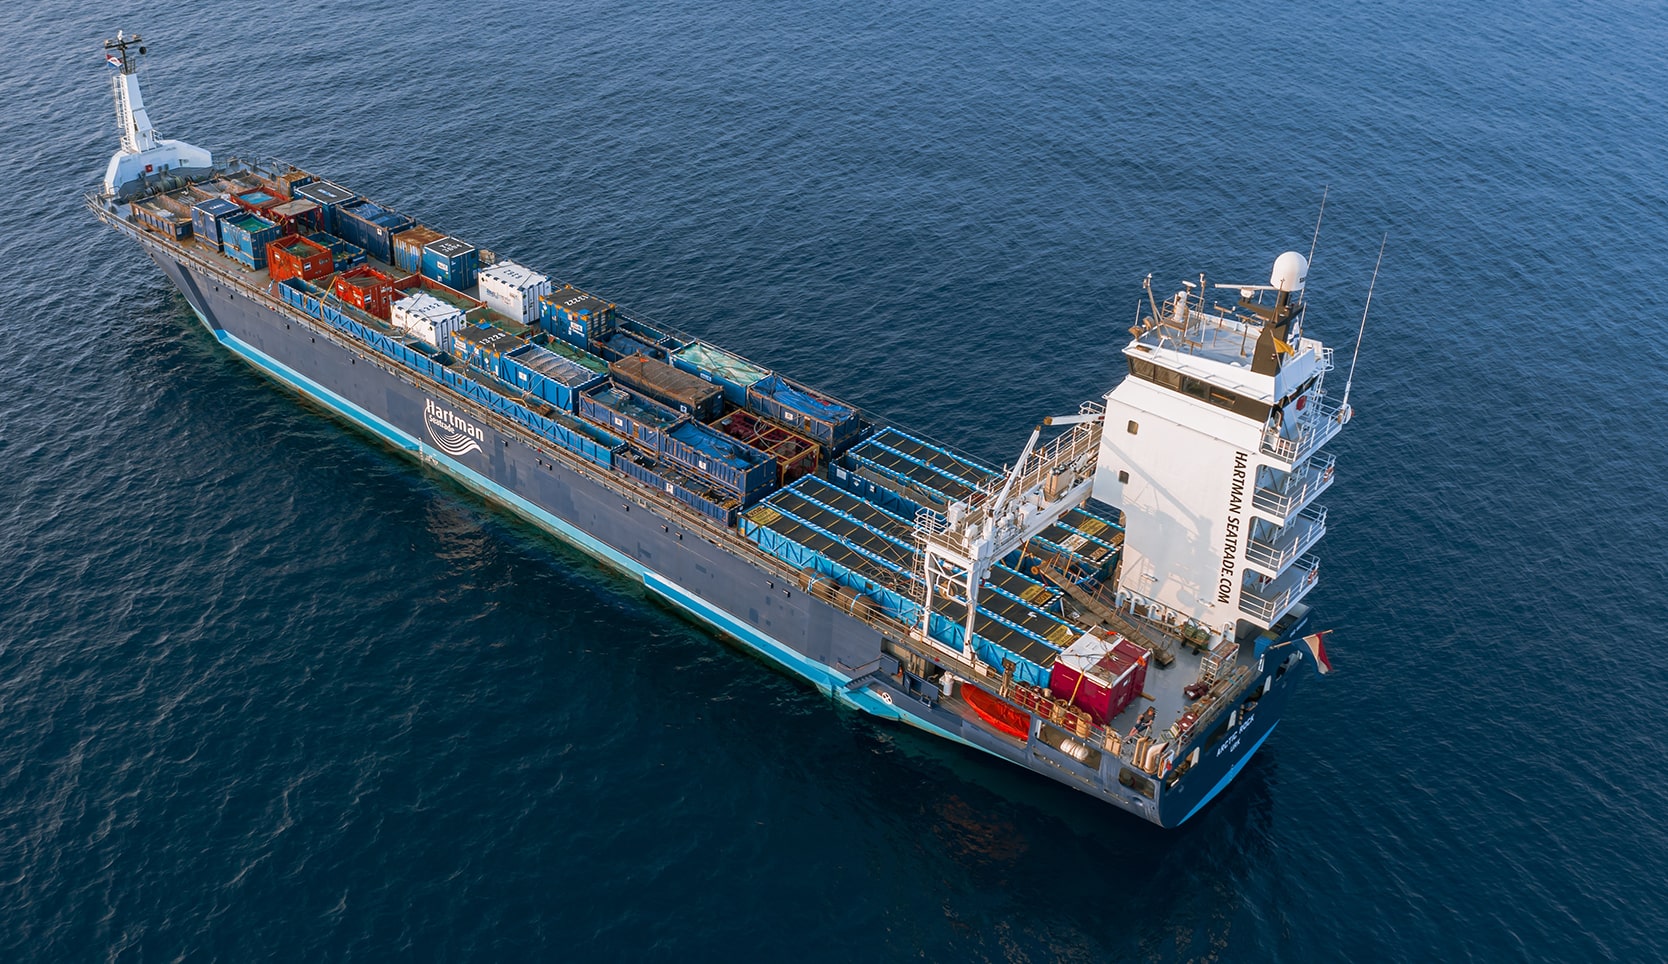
[(367, 289), (1101, 676), (297, 257)]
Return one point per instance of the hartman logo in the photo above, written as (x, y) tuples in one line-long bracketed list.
[(451, 433)]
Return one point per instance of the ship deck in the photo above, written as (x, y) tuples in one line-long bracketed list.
[(857, 527)]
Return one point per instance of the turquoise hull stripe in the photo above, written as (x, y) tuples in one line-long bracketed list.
[(1232, 772)]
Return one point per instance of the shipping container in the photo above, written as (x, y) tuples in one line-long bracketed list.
[(484, 347), (205, 219), (572, 353), (544, 374), (575, 316), (408, 247), (665, 342), (641, 421), (1102, 676), (795, 454), (329, 197), (299, 216), (160, 219), (740, 468), (692, 491), (452, 262), (729, 372), (371, 228), (296, 257), (287, 182), (244, 237), (424, 316), (367, 289), (514, 291), (832, 423), (347, 255), (258, 201), (669, 386), (456, 299), (621, 345)]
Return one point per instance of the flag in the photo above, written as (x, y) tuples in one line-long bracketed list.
[(1282, 348), (113, 61), (1317, 645)]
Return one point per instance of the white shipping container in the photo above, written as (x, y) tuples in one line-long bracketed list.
[(513, 290), (427, 317)]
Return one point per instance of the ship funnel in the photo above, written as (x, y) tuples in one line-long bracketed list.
[(1291, 270)]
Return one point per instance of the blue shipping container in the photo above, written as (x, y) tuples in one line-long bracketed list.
[(548, 375), (829, 422), (371, 228), (347, 255), (245, 237), (730, 463), (329, 197), (643, 422), (690, 492), (455, 264), (205, 219)]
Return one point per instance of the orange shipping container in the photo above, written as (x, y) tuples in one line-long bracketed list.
[(297, 257), (367, 289)]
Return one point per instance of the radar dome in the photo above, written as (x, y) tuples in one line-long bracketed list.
[(1290, 271)]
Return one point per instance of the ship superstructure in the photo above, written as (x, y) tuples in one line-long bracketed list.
[(1141, 655)]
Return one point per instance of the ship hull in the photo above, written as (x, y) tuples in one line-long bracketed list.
[(710, 579)]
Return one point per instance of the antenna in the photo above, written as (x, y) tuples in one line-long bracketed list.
[(1343, 406), (1316, 239)]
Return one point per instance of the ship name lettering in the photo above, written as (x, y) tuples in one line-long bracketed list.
[(1230, 541)]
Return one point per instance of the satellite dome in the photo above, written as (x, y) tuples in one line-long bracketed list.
[(1290, 271)]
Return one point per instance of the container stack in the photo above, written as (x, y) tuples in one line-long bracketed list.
[(513, 291), (452, 262), (669, 386), (408, 247), (575, 316), (427, 317), (205, 219), (244, 238), (296, 257), (370, 227), (329, 197), (367, 289)]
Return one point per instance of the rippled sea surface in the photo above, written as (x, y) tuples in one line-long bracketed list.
[(270, 690)]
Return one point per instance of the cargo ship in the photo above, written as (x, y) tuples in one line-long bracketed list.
[(1120, 609)]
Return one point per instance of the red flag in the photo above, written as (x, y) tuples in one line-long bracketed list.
[(1317, 645)]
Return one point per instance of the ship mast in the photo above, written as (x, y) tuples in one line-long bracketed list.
[(143, 155)]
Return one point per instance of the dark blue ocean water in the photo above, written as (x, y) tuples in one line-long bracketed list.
[(269, 690)]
